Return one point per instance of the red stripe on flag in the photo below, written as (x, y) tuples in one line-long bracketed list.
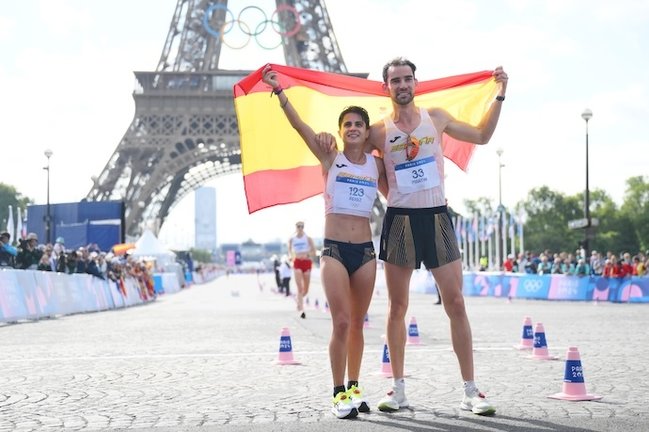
[(345, 85), (272, 187)]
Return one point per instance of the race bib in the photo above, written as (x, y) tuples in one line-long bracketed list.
[(354, 194), (417, 175)]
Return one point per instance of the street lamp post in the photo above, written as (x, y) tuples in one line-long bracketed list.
[(587, 115), (48, 217), (500, 210)]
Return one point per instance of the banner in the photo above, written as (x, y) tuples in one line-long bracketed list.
[(277, 166)]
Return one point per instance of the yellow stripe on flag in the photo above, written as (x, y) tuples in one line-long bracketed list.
[(277, 165)]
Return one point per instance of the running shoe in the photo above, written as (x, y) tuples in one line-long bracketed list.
[(359, 401), (343, 407), (393, 401), (477, 404)]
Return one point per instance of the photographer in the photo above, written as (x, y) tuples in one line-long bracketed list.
[(28, 253)]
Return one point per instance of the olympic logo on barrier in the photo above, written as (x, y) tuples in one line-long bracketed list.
[(532, 285), (228, 24)]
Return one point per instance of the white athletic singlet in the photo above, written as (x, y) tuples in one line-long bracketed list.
[(300, 244), (418, 183), (350, 188)]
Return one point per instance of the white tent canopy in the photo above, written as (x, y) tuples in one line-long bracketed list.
[(149, 246)]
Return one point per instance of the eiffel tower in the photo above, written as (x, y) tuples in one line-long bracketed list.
[(184, 131)]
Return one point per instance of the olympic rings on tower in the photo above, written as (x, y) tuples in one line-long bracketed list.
[(226, 24)]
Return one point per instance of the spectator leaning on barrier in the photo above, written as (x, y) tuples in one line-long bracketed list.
[(596, 263), (71, 262), (44, 263), (92, 267), (29, 255), (7, 251), (581, 269), (82, 260), (639, 268), (544, 267)]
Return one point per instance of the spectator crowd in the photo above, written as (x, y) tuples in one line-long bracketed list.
[(30, 255), (609, 265)]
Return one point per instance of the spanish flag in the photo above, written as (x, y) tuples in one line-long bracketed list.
[(278, 167)]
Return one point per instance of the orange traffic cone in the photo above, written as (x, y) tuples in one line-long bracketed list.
[(386, 367), (540, 350), (527, 339), (413, 333), (285, 356), (574, 388)]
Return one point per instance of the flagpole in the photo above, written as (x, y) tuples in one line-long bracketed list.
[(483, 237), (504, 234), (465, 246), (520, 235), (476, 231), (19, 224), (512, 224), (10, 224), (490, 253), (497, 234)]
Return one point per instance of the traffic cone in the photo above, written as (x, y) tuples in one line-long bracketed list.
[(386, 367), (285, 356), (413, 333), (540, 350), (574, 388), (527, 339), (366, 323)]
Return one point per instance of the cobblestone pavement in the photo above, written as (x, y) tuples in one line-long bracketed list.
[(203, 360)]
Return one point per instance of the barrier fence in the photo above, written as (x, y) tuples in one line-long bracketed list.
[(557, 287), (32, 294)]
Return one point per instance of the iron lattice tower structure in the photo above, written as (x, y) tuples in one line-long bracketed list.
[(184, 131)]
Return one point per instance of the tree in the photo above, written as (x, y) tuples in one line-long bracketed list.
[(636, 208), (10, 197), (548, 213), (201, 255)]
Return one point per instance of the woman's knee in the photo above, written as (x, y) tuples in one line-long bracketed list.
[(341, 326), (397, 309)]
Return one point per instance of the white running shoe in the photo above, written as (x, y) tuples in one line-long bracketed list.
[(358, 399), (343, 407), (393, 401), (478, 404)]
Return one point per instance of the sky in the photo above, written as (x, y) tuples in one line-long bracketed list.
[(66, 83)]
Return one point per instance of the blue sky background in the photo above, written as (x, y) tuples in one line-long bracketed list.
[(66, 79)]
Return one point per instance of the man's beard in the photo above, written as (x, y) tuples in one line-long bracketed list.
[(404, 98)]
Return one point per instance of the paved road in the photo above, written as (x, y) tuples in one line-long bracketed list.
[(203, 360)]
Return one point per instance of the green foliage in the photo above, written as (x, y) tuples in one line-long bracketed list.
[(636, 208), (10, 197), (548, 212), (201, 255)]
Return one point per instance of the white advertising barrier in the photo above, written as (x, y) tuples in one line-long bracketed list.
[(12, 299), (31, 294), (170, 282), (205, 276)]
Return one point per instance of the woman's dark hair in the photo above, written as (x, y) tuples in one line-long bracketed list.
[(357, 110)]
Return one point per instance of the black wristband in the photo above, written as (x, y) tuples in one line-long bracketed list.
[(277, 91), (500, 98)]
